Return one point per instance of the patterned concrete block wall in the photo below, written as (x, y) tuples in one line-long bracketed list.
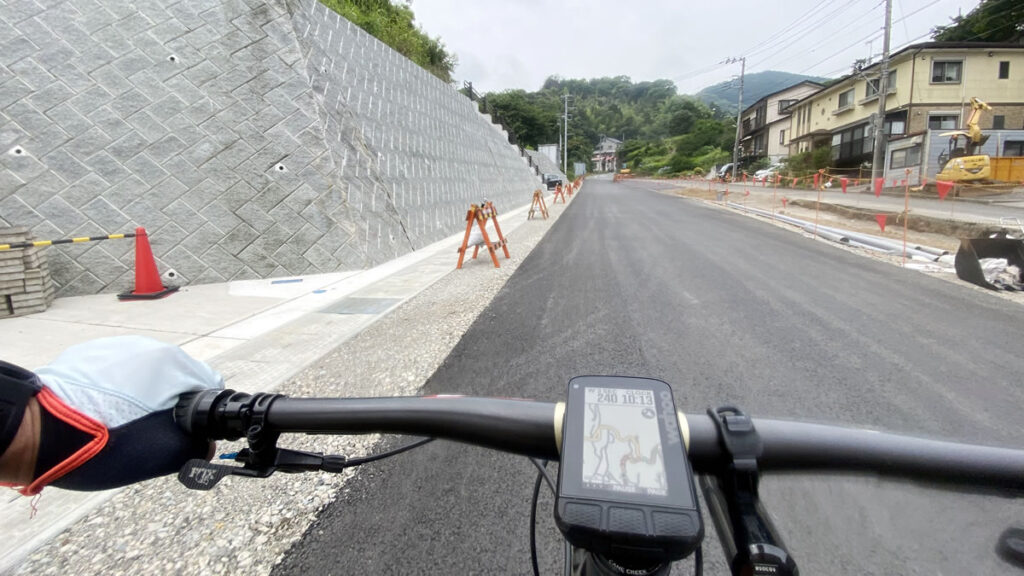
[(251, 139)]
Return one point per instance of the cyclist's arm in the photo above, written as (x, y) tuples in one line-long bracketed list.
[(99, 416), (18, 461)]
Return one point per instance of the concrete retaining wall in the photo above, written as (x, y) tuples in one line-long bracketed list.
[(251, 139)]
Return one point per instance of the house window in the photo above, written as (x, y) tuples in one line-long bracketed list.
[(782, 136), (846, 99), (946, 71), (895, 127), (1013, 148), (998, 122), (785, 105), (851, 143), (907, 157), (1004, 70), (943, 121), (871, 86)]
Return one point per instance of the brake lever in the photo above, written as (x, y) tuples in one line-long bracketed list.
[(199, 474)]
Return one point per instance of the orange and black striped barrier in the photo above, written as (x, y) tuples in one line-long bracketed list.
[(79, 240), (480, 215), (538, 205), (148, 285), (559, 193)]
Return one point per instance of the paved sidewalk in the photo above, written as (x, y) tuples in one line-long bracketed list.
[(256, 333)]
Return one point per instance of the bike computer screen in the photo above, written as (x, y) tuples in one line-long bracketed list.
[(625, 488)]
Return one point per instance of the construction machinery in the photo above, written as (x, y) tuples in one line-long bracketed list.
[(961, 161)]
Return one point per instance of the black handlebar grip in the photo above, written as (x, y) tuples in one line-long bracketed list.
[(183, 411), (212, 414)]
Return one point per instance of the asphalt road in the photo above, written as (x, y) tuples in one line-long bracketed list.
[(727, 309), (969, 210)]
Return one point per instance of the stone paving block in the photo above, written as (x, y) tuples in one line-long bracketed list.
[(148, 126), (201, 240), (257, 260), (255, 217), (41, 189), (220, 216), (127, 146), (83, 283), (167, 107), (143, 213), (126, 191), (105, 215), (110, 123), (167, 146), (184, 262), (83, 191), (146, 169), (164, 239), (182, 214), (58, 212)]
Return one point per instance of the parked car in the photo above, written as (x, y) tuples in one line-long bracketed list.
[(552, 180), (725, 171), (768, 172)]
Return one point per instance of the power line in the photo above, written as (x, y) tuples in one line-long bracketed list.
[(770, 41), (839, 52), (798, 39)]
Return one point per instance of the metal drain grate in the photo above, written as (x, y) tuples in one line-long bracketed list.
[(361, 305)]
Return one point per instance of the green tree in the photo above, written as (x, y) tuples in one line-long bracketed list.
[(393, 24), (990, 21)]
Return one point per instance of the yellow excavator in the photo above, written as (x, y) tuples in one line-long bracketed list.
[(963, 163)]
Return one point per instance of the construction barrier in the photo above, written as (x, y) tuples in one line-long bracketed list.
[(481, 215), (559, 193), (41, 243), (148, 285), (538, 205)]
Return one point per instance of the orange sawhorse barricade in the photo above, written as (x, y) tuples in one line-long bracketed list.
[(538, 205), (480, 215), (559, 193)]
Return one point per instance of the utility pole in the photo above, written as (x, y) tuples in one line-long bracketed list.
[(565, 134), (739, 115), (878, 155)]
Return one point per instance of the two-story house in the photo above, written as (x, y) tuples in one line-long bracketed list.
[(765, 130), (930, 87), (604, 157)]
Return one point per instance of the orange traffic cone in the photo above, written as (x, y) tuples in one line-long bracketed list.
[(147, 279)]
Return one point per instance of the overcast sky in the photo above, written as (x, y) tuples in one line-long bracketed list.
[(504, 44)]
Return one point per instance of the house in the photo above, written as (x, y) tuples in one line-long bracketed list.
[(605, 155), (929, 89), (766, 125)]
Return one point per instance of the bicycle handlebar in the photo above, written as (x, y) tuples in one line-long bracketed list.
[(534, 429)]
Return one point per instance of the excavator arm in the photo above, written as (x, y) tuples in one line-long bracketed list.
[(973, 130)]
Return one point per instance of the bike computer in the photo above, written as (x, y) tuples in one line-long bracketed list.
[(625, 487)]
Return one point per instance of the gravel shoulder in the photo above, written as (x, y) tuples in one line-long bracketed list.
[(246, 526)]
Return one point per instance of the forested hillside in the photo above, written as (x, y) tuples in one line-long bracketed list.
[(662, 130), (723, 96)]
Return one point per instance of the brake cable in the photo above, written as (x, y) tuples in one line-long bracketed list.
[(262, 457)]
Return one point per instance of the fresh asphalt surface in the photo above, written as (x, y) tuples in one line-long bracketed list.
[(726, 309)]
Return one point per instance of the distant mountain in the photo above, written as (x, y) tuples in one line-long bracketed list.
[(723, 95)]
